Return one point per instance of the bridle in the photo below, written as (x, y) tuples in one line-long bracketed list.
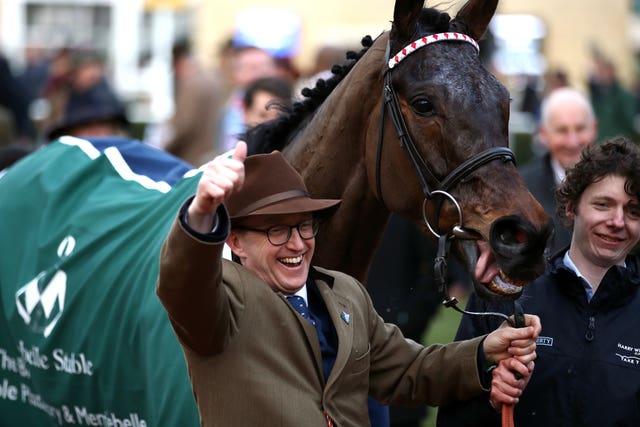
[(422, 169)]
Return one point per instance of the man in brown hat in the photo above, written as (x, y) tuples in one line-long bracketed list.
[(272, 341)]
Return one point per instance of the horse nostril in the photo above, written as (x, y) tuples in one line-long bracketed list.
[(518, 247), (509, 232), (518, 236)]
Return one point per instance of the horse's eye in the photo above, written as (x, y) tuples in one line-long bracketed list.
[(424, 107)]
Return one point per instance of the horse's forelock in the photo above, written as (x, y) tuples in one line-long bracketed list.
[(275, 135), (434, 20)]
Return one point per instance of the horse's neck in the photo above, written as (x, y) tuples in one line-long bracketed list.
[(331, 153), (348, 241)]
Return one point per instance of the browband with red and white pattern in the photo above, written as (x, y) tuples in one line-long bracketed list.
[(434, 38)]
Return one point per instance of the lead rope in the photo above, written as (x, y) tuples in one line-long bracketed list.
[(440, 273), (507, 409), (507, 415)]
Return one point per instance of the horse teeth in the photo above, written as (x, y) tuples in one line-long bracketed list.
[(501, 284), (512, 282)]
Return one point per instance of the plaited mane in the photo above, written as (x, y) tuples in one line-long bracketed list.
[(274, 135)]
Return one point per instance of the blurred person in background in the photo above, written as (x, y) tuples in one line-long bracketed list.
[(14, 106), (56, 88), (81, 101), (191, 132), (33, 76), (567, 125), (92, 108), (613, 104), (18, 135), (555, 79), (530, 102), (266, 99), (88, 70), (246, 65)]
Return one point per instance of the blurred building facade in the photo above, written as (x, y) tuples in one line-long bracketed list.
[(133, 37), (575, 28)]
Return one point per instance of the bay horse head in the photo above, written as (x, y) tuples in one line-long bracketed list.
[(417, 125)]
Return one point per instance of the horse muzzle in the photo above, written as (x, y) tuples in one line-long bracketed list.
[(512, 257)]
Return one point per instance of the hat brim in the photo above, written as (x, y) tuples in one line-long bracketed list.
[(321, 207)]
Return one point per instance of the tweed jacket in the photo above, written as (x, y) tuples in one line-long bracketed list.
[(253, 360)]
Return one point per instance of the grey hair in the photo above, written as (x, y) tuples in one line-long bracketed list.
[(560, 95)]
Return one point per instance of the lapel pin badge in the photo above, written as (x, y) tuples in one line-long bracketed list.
[(345, 317)]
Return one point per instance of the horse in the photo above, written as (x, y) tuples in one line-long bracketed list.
[(415, 124)]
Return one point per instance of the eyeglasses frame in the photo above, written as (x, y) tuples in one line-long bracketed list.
[(315, 226)]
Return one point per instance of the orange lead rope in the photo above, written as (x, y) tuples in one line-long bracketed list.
[(507, 410), (507, 415)]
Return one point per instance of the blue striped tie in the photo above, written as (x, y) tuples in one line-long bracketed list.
[(324, 330)]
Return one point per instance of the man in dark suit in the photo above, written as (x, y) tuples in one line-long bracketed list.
[(567, 125), (272, 341)]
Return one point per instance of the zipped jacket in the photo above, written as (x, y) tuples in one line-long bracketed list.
[(588, 368)]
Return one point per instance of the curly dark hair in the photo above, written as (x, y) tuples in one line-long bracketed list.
[(617, 156)]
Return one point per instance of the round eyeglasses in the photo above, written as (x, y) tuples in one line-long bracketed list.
[(278, 235)]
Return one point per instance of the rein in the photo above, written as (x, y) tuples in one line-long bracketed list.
[(442, 188)]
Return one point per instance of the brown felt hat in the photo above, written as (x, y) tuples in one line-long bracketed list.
[(273, 187)]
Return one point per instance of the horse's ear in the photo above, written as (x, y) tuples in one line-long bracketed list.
[(405, 18), (476, 15)]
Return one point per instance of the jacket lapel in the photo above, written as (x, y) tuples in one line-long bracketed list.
[(340, 309)]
